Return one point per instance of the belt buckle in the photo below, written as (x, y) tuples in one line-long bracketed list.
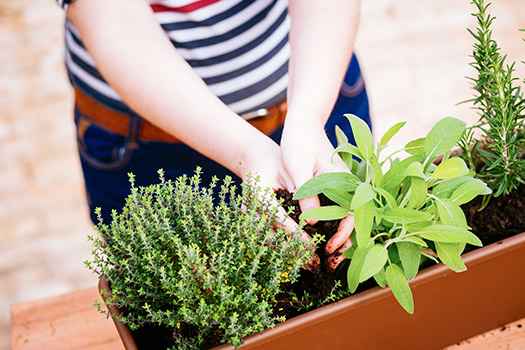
[(259, 113)]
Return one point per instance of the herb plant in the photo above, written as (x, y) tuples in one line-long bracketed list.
[(495, 146), (172, 257), (410, 211)]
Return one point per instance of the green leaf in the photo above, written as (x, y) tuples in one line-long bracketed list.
[(362, 136), (348, 148), (416, 146), (364, 219), (445, 188), (378, 214), (415, 169), (444, 135), (340, 136), (380, 278), (354, 270), (342, 181), (374, 261), (349, 252), (363, 194), (330, 212), (338, 196), (390, 133), (398, 283), (390, 200), (410, 255), (450, 168), (395, 175), (468, 191), (448, 254), (414, 239), (450, 213), (405, 215), (418, 193), (449, 234)]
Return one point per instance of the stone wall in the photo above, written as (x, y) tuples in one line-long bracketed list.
[(414, 55)]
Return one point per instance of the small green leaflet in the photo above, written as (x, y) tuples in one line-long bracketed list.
[(410, 255), (349, 252), (443, 136), (445, 188), (390, 133), (390, 200), (468, 191), (354, 270), (340, 197), (362, 136), (396, 174), (450, 168), (396, 280), (449, 234), (380, 278), (416, 146), (418, 193), (343, 181), (330, 212), (450, 213), (415, 169), (340, 136), (405, 215), (449, 255), (374, 261), (364, 220), (349, 149), (363, 194)]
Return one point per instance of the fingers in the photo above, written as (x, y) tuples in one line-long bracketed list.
[(342, 235), (309, 203), (335, 259)]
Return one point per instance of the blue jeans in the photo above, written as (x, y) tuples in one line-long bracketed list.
[(107, 158)]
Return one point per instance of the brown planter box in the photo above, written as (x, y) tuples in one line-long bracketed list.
[(449, 307)]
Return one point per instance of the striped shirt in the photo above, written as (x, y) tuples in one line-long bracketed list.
[(238, 47)]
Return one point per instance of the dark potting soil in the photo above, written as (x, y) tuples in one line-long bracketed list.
[(503, 217)]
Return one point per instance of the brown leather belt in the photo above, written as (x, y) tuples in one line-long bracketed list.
[(266, 120)]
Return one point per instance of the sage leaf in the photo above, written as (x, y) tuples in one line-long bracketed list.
[(418, 193), (330, 212), (396, 174), (449, 234), (343, 181), (448, 254), (445, 188), (349, 252), (374, 261), (416, 146), (364, 193), (410, 255), (450, 213), (396, 280), (390, 133), (468, 191), (340, 136), (380, 278), (450, 168), (364, 220), (354, 270), (362, 136), (414, 239), (405, 215), (338, 196), (415, 169), (444, 135), (349, 149)]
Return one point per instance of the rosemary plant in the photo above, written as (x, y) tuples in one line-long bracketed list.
[(495, 146)]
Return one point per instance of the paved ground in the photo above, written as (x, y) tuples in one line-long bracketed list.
[(414, 56)]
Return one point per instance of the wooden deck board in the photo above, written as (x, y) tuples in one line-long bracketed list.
[(70, 321)]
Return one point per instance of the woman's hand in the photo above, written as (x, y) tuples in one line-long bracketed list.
[(307, 152)]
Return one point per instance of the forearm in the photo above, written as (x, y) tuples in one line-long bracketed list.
[(136, 58), (322, 37)]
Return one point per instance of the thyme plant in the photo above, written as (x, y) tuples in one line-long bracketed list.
[(172, 257), (404, 213), (497, 154)]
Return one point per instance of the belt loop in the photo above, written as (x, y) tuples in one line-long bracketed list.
[(134, 130)]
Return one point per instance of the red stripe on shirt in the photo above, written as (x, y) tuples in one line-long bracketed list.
[(186, 8)]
